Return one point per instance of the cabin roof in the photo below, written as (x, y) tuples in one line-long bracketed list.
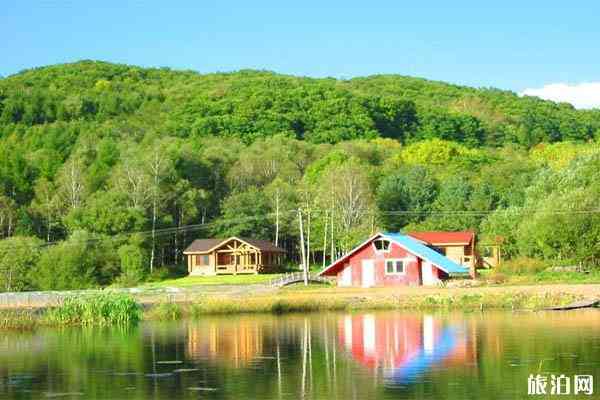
[(436, 238), (206, 245), (410, 244)]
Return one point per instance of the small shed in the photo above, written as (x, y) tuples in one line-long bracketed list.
[(392, 259), (232, 256)]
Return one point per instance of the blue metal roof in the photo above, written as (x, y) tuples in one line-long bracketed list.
[(428, 254)]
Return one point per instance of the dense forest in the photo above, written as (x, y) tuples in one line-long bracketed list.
[(108, 171)]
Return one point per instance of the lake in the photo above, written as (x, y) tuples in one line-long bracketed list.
[(366, 355)]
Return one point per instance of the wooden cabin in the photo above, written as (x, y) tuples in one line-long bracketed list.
[(457, 246), (461, 247), (232, 256)]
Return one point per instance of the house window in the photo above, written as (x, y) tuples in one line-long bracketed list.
[(381, 245), (202, 259), (394, 267)]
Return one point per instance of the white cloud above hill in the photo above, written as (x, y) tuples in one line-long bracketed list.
[(581, 95)]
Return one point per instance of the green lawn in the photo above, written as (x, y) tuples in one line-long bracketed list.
[(215, 280)]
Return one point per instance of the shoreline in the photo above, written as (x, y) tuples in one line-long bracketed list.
[(298, 300)]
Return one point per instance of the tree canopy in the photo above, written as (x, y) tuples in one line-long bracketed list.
[(107, 171)]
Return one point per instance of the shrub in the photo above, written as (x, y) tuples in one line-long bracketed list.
[(522, 266), (166, 311), (497, 278), (159, 274), (133, 262)]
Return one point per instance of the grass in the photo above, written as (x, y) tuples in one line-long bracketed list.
[(120, 309), (215, 280), (543, 277), (290, 301)]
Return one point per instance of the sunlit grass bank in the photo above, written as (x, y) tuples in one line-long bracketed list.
[(307, 302), (215, 280), (120, 309)]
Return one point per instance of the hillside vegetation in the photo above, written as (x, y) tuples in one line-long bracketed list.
[(108, 171)]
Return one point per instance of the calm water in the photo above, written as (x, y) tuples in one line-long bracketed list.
[(317, 356)]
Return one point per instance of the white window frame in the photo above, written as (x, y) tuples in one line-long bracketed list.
[(389, 247), (395, 260)]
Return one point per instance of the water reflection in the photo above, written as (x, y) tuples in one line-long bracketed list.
[(314, 356), (238, 342), (406, 347)]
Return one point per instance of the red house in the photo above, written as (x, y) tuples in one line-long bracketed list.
[(392, 259)]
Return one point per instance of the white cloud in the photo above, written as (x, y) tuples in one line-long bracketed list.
[(582, 95)]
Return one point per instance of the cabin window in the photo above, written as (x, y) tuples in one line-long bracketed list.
[(487, 252), (381, 245), (441, 250), (202, 259), (394, 267)]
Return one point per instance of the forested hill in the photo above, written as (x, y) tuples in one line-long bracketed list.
[(250, 104), (108, 171)]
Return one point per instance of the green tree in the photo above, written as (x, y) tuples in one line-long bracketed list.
[(82, 261), (405, 197), (133, 263), (18, 256), (245, 214)]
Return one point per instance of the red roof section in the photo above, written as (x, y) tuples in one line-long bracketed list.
[(439, 237)]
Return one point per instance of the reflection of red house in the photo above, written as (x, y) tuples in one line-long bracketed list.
[(375, 341), (405, 346)]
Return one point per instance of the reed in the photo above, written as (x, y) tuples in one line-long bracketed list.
[(18, 320), (103, 309)]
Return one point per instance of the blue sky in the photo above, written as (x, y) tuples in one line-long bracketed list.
[(514, 45)]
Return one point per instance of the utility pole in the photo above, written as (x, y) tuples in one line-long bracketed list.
[(303, 249), (325, 239), (277, 217)]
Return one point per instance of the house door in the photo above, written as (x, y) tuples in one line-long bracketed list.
[(346, 276), (368, 273), (427, 272)]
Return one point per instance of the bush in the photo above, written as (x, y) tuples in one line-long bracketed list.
[(522, 266), (159, 274), (497, 278), (165, 312), (133, 262)]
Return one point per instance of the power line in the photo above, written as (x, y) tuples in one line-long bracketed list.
[(187, 228)]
